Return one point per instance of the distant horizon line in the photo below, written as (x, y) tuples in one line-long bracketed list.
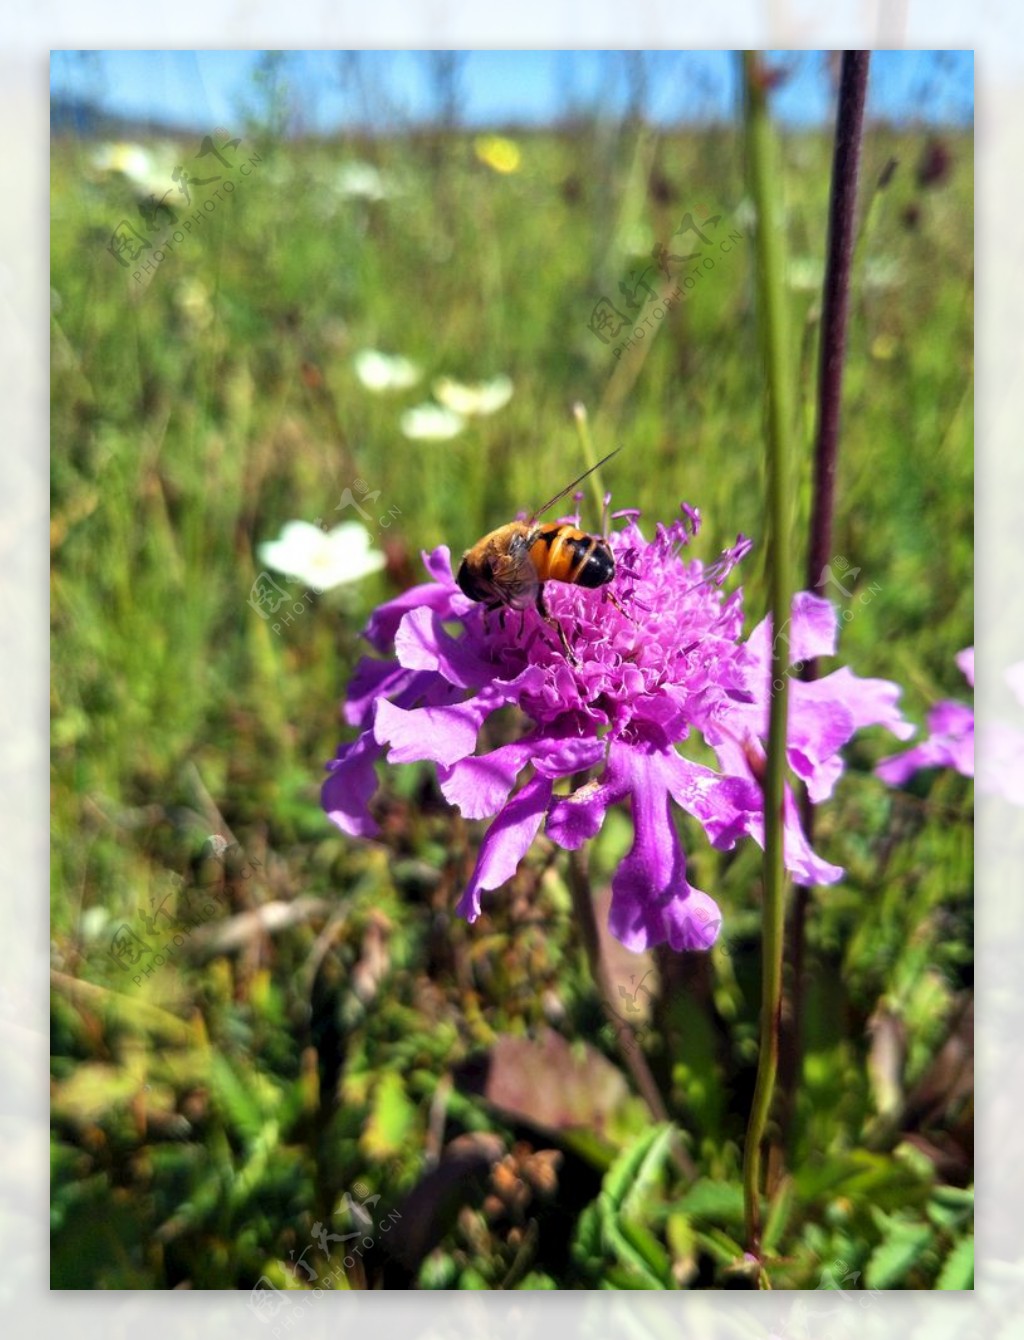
[(104, 121)]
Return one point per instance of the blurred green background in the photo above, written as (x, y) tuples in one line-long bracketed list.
[(332, 1052)]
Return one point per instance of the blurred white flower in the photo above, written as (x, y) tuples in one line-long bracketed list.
[(132, 161), (481, 398), (430, 422), (362, 181), (93, 922), (386, 372), (322, 559)]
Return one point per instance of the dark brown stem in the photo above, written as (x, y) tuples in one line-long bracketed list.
[(636, 1062), (835, 307), (835, 310)]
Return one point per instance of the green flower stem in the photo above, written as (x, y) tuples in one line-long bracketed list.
[(771, 276), (579, 413)]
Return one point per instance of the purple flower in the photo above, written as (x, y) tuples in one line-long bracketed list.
[(667, 667), (950, 742)]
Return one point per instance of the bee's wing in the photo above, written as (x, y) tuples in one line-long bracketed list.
[(515, 576)]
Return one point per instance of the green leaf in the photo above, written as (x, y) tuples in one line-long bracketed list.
[(616, 1242), (650, 1249), (637, 1164), (682, 1241), (778, 1215), (391, 1119), (953, 1202), (236, 1098), (892, 1262), (651, 1166), (620, 1233), (714, 1202), (683, 1245), (959, 1196), (720, 1246), (93, 1091), (438, 1271), (472, 1279), (878, 1179), (619, 1277), (958, 1268), (587, 1243)]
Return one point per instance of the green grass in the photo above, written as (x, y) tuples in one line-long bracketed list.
[(207, 1119)]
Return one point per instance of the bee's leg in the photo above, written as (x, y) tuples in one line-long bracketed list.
[(615, 602), (542, 610)]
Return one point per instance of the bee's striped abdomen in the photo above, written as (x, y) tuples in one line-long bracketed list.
[(562, 553)]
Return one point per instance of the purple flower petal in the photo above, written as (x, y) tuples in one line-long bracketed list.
[(373, 679), (819, 726), (556, 756), (480, 785), (729, 558), (506, 843), (438, 564), (952, 727), (651, 898), (421, 643), (441, 594), (441, 734), (725, 806), (349, 788), (803, 863), (952, 719), (814, 627), (692, 922), (870, 702), (895, 770), (950, 742), (576, 818)]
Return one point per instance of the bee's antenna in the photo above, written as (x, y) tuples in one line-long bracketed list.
[(562, 492)]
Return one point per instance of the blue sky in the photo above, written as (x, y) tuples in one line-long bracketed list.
[(334, 90)]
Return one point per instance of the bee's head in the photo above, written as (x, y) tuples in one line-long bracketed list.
[(474, 578)]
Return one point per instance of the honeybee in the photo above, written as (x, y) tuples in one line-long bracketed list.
[(507, 569)]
